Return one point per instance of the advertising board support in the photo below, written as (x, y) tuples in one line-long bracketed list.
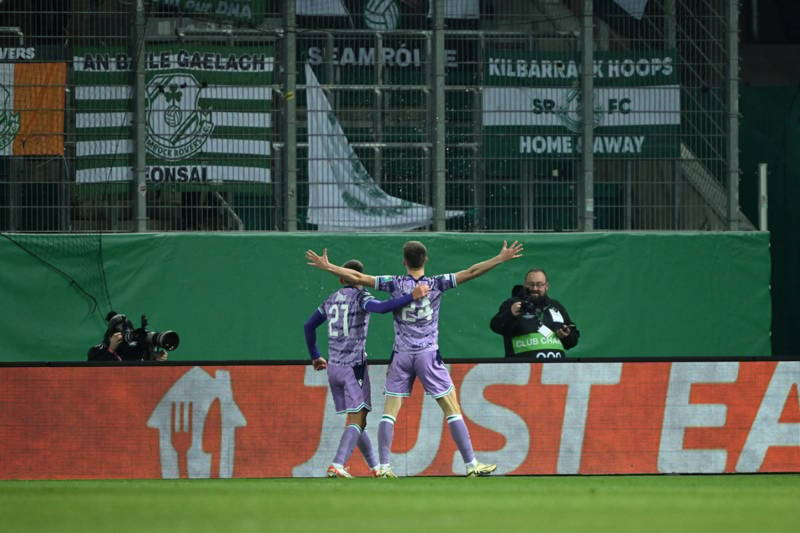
[(733, 114), (439, 170), (289, 103), (140, 152)]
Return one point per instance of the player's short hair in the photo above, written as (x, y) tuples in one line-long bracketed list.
[(415, 253), (354, 264), (531, 271)]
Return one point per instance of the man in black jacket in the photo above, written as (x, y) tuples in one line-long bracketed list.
[(533, 324)]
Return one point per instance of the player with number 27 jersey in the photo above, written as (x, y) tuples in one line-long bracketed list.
[(416, 326)]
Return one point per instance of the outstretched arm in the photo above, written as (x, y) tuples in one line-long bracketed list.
[(376, 306), (507, 253), (351, 276)]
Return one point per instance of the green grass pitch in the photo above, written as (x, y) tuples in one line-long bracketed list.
[(586, 504)]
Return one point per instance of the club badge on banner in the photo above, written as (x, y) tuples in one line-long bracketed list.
[(208, 114), (279, 420)]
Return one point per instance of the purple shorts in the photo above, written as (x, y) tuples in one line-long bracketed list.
[(427, 366), (350, 388)]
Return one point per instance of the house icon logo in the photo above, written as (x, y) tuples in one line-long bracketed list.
[(190, 440)]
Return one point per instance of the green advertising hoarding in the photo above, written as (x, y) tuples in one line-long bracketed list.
[(246, 296), (532, 105)]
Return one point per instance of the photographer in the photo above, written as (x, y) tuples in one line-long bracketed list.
[(533, 324), (122, 342)]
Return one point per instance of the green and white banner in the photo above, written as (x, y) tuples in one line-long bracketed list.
[(532, 105), (234, 11), (208, 114), (382, 15)]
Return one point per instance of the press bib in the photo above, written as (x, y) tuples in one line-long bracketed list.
[(536, 341)]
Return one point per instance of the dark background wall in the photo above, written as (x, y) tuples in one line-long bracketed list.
[(770, 133)]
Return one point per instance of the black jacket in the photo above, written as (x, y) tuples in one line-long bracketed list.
[(99, 352), (523, 335)]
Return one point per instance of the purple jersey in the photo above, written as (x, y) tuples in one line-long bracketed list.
[(348, 321), (416, 326)]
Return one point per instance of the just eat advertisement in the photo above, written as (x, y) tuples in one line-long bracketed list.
[(253, 421)]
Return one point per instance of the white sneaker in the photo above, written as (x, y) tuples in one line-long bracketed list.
[(480, 469), (385, 473), (335, 471)]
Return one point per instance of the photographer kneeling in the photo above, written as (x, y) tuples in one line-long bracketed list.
[(533, 324), (123, 342)]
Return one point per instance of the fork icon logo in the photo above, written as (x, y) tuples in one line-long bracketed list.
[(185, 427)]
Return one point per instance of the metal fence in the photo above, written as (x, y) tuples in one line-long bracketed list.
[(343, 115)]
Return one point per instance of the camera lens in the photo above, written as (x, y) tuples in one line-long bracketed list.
[(168, 340)]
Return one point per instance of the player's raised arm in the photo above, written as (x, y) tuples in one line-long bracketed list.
[(351, 276), (507, 253), (376, 306)]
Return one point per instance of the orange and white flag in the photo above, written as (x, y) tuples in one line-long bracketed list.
[(32, 108)]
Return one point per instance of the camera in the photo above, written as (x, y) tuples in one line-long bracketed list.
[(524, 296), (147, 341), (528, 303), (527, 307)]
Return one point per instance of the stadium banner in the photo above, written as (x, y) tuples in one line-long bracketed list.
[(279, 421), (532, 105), (342, 194), (31, 105), (234, 11), (458, 9), (321, 8), (208, 114), (385, 15), (408, 53)]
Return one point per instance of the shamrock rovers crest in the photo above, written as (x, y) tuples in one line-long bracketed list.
[(9, 121), (177, 127), (570, 112)]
